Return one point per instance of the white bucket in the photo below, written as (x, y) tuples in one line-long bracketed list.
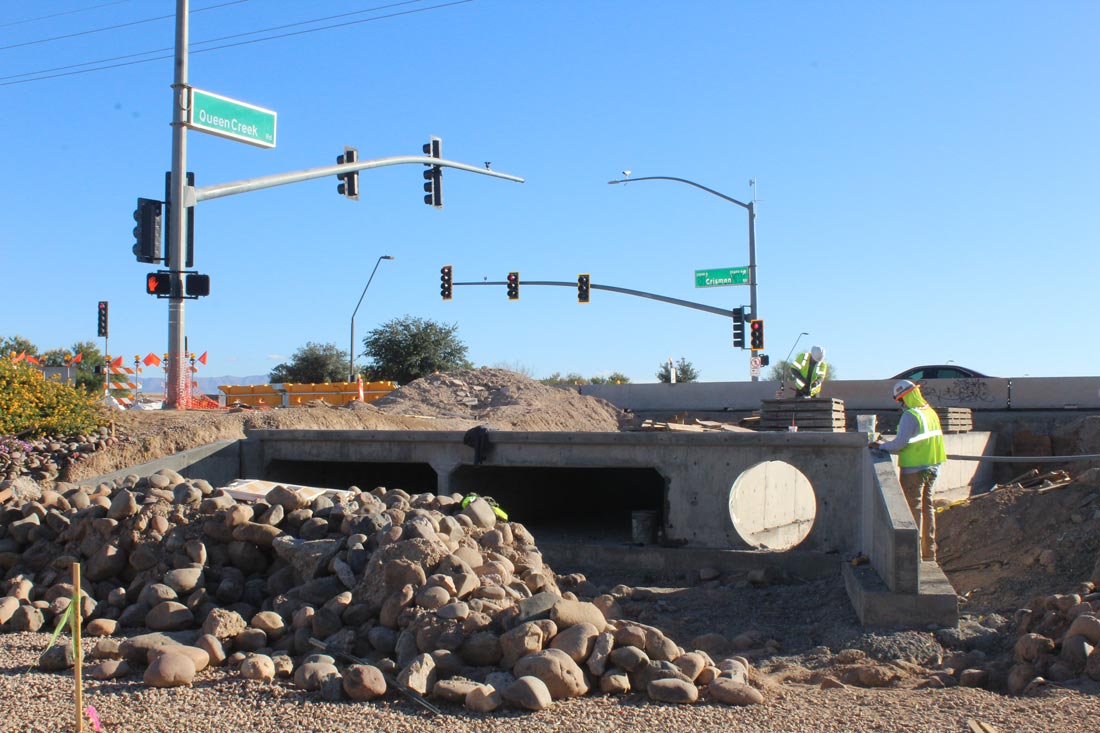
[(867, 424)]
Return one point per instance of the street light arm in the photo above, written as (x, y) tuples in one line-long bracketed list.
[(690, 183), (351, 344)]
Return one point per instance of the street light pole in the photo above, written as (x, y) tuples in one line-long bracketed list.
[(351, 349), (750, 207)]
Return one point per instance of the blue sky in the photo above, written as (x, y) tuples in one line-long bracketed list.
[(927, 179)]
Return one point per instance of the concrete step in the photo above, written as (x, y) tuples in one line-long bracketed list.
[(935, 603)]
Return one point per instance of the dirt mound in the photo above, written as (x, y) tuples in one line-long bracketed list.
[(497, 398), (502, 400), (1002, 549)]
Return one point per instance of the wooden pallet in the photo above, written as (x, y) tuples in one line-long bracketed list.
[(956, 419), (821, 415)]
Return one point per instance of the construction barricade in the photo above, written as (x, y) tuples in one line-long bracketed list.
[(337, 393), (253, 395), (289, 395)]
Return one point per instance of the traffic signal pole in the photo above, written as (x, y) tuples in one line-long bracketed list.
[(182, 197), (750, 207), (173, 389)]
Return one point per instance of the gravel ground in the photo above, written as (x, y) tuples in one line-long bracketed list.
[(39, 702)]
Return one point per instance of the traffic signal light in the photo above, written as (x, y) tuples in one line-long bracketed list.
[(739, 328), (147, 230), (158, 283), (756, 334), (189, 245), (445, 282), (102, 332), (583, 286), (349, 182), (196, 285), (433, 177), (513, 286)]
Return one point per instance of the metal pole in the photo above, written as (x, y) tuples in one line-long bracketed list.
[(750, 206), (752, 270), (351, 346), (172, 390)]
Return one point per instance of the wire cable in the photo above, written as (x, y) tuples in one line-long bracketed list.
[(114, 27), (58, 15), (209, 40), (242, 43)]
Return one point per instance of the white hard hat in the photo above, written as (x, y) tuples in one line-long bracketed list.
[(817, 353), (903, 387)]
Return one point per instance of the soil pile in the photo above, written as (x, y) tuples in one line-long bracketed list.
[(502, 400), (496, 398)]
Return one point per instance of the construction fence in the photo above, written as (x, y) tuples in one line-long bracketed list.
[(287, 395)]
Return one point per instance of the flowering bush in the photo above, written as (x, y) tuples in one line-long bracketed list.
[(31, 405)]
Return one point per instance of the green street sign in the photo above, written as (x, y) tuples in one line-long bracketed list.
[(229, 118), (724, 276)]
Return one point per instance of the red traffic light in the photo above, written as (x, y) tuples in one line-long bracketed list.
[(513, 286), (756, 334)]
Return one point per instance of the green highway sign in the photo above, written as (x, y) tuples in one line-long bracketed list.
[(229, 118), (724, 276)]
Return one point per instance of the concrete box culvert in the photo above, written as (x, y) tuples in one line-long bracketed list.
[(772, 505)]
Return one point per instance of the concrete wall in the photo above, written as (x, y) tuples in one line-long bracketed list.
[(979, 394), (218, 462), (700, 469)]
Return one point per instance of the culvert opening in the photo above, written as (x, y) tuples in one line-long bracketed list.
[(569, 504), (772, 505), (414, 478), (555, 504)]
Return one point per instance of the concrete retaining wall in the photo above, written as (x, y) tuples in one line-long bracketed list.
[(1025, 393)]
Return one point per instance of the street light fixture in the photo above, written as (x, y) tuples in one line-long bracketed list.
[(750, 207), (351, 350)]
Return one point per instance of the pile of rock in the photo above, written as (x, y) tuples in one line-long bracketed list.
[(434, 597), (1058, 638), (43, 459)]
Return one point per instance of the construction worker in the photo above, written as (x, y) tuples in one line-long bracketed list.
[(808, 372), (919, 445)]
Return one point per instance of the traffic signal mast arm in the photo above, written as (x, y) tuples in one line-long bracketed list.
[(614, 289), (193, 195)]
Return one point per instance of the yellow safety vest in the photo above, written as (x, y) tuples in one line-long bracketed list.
[(926, 447)]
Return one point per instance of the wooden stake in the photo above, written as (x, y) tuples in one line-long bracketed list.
[(78, 655)]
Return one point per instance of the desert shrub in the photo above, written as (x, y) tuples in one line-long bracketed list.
[(31, 405)]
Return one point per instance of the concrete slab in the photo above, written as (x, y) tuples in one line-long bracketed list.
[(935, 603), (567, 557)]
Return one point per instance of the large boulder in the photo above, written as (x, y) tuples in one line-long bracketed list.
[(729, 692), (554, 667), (566, 613), (170, 669), (169, 616), (528, 693), (363, 682)]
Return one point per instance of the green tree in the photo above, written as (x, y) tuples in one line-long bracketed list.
[(409, 348), (612, 378), (312, 364), (685, 372), (16, 345), (556, 379)]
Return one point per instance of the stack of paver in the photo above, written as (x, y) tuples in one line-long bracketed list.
[(820, 415), (955, 419)]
